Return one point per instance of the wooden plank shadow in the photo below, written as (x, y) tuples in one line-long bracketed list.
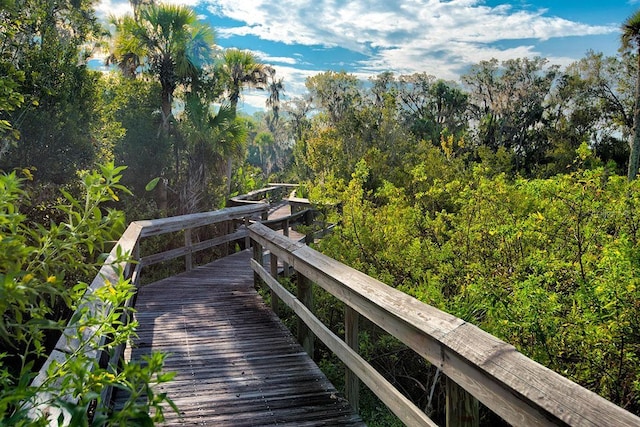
[(236, 364)]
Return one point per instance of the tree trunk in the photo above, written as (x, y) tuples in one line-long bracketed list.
[(229, 172), (234, 107), (162, 196), (634, 153), (166, 110)]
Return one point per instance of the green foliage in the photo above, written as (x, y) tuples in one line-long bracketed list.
[(211, 138), (549, 265), (10, 98), (48, 97), (38, 268), (523, 114), (247, 178), (135, 108), (238, 69)]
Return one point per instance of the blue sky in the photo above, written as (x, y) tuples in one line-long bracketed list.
[(441, 37)]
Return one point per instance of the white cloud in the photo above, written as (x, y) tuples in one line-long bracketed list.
[(440, 37), (367, 26), (270, 59), (190, 3), (436, 36), (108, 8), (356, 24)]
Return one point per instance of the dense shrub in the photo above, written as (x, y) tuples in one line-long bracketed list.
[(548, 265), (39, 268)]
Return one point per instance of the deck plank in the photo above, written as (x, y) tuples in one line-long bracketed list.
[(236, 364)]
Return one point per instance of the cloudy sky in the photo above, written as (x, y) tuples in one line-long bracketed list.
[(441, 37)]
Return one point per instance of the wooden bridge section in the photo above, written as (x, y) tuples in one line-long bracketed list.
[(236, 364)]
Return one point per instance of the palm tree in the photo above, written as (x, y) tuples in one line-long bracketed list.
[(631, 38), (167, 41), (136, 5), (239, 69), (275, 88), (212, 138), (127, 52)]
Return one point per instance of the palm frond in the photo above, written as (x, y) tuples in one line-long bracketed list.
[(631, 31)]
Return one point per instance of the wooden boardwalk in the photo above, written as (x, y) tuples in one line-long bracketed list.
[(236, 364), (281, 211)]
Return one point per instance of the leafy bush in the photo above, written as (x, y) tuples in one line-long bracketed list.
[(548, 265), (38, 267)]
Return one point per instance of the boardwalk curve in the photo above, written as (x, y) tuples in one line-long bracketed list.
[(236, 364)]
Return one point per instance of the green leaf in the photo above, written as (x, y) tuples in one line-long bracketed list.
[(152, 184)]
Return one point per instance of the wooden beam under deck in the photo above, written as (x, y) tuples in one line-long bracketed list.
[(236, 364)]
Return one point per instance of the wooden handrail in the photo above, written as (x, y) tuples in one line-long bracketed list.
[(518, 389), (257, 196), (74, 337)]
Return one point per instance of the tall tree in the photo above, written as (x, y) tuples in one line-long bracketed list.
[(335, 93), (509, 102), (296, 114), (592, 101), (47, 95), (211, 137), (169, 42), (275, 87), (431, 107), (631, 38), (237, 70)]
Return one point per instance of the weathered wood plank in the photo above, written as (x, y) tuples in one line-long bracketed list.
[(237, 364), (351, 331), (402, 407), (188, 258), (305, 295), (275, 303), (188, 250), (462, 409), (167, 225), (518, 389)]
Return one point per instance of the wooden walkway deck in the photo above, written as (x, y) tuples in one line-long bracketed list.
[(282, 211), (236, 364)]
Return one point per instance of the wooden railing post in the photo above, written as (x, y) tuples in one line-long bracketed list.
[(305, 295), (257, 255), (308, 221), (275, 301), (286, 227), (285, 232), (227, 226), (247, 240), (351, 381), (463, 410), (188, 258)]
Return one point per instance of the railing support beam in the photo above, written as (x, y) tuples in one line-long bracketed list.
[(305, 295), (351, 382), (188, 258), (275, 301), (247, 240), (463, 410), (257, 255)]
